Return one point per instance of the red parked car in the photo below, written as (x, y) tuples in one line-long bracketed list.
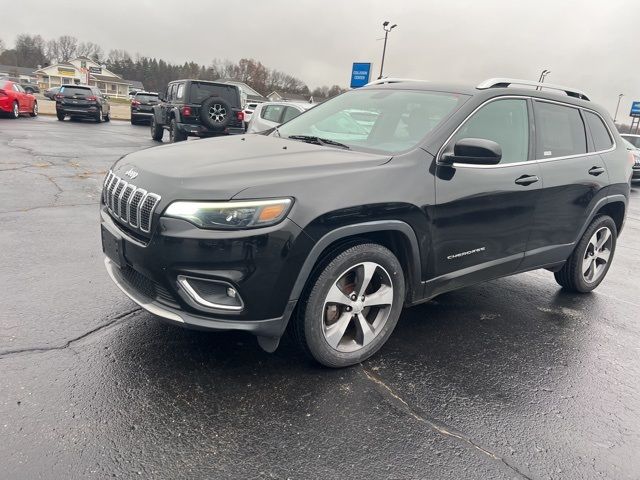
[(15, 101)]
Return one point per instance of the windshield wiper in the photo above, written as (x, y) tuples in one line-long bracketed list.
[(318, 141)]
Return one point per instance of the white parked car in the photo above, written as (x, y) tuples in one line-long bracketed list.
[(271, 114), (249, 108)]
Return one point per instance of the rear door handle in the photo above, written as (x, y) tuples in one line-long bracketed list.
[(527, 180), (595, 171)]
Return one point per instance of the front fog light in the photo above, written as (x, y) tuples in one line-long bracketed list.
[(211, 293), (231, 215)]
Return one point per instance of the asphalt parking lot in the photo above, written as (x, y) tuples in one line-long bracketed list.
[(510, 379)]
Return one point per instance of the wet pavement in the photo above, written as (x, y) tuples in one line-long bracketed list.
[(510, 379)]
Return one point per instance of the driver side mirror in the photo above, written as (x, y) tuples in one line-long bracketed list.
[(473, 151)]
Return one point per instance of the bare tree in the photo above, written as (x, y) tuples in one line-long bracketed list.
[(30, 50), (67, 47), (90, 50), (2, 47)]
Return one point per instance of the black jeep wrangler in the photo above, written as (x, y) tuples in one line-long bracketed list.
[(197, 108)]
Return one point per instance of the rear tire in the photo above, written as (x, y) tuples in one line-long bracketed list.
[(15, 111), (157, 131), (175, 135), (34, 111), (340, 323), (589, 263), (60, 116), (98, 117)]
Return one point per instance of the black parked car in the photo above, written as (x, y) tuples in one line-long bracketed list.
[(330, 225), (82, 101), (51, 93), (142, 107), (197, 108)]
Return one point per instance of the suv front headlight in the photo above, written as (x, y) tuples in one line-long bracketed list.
[(231, 215)]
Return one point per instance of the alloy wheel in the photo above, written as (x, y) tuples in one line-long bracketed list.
[(16, 110), (357, 307), (597, 254), (217, 113)]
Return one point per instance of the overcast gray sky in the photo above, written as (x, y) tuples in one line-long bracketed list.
[(587, 44)]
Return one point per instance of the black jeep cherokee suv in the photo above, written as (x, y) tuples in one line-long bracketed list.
[(197, 108), (331, 225)]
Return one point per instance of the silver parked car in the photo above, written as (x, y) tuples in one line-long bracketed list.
[(271, 114)]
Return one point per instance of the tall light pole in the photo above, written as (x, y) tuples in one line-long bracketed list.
[(615, 117), (387, 29), (543, 75)]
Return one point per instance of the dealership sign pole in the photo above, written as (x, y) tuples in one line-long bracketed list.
[(635, 117)]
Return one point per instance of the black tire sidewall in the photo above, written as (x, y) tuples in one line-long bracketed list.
[(204, 112), (98, 116), (312, 311), (156, 130)]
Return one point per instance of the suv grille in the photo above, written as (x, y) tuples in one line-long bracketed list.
[(130, 204)]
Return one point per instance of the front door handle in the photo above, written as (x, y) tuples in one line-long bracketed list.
[(595, 171), (527, 180)]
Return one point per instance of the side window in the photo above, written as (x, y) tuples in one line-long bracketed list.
[(560, 131), (272, 113), (180, 94), (290, 113), (16, 87), (505, 122), (599, 132), (172, 92)]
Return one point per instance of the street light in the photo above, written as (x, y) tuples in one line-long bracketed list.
[(615, 117), (387, 29), (543, 75)]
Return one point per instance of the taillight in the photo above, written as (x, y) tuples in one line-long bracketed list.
[(59, 96), (92, 98), (186, 111), (135, 102), (240, 116), (632, 157)]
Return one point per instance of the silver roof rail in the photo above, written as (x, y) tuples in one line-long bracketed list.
[(382, 81), (505, 82)]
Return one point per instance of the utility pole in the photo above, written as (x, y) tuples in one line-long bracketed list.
[(615, 117), (387, 29)]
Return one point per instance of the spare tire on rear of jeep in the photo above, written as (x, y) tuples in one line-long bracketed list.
[(215, 112)]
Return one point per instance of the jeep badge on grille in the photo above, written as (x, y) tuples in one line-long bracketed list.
[(131, 173)]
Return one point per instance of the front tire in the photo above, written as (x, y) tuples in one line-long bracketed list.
[(589, 263), (352, 306)]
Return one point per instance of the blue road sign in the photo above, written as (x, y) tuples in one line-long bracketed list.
[(360, 74), (635, 109)]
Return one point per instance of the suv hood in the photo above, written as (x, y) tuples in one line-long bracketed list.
[(220, 168)]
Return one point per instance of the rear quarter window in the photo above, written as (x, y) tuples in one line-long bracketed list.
[(560, 131), (599, 132)]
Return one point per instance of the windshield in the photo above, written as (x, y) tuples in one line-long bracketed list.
[(634, 141), (388, 121), (628, 144)]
